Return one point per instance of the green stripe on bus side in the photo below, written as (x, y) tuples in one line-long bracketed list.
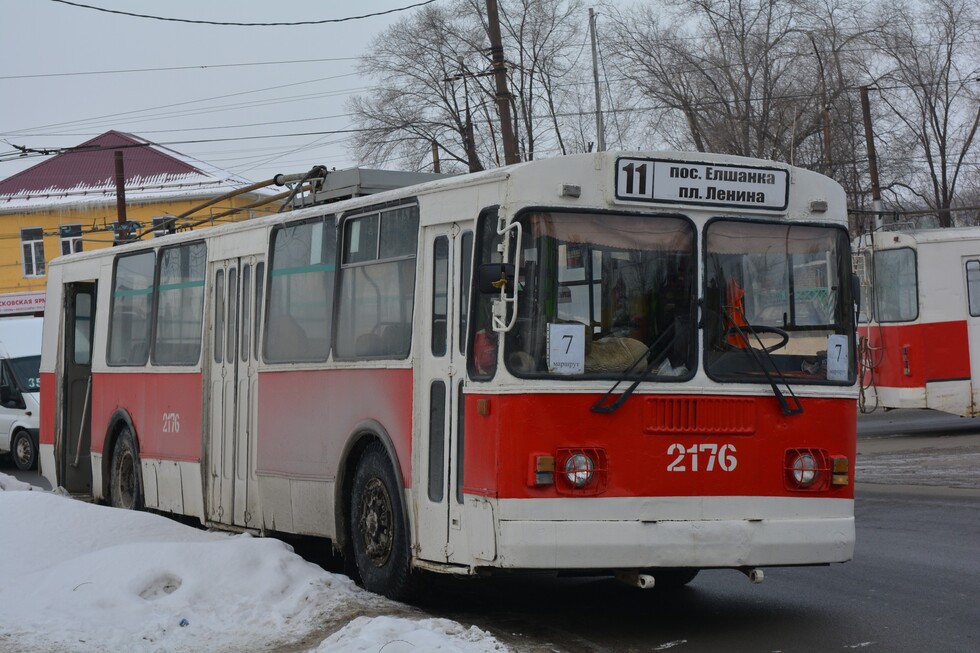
[(133, 293), (182, 285), (304, 269)]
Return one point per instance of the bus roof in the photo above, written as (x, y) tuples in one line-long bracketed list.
[(554, 173)]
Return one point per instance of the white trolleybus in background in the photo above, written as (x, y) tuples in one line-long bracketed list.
[(636, 364), (920, 331)]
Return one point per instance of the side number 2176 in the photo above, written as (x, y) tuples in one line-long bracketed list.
[(705, 456)]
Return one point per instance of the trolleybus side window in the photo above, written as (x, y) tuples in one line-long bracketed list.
[(180, 305), (973, 286), (466, 264), (301, 291), (377, 284), (604, 295), (259, 290), (440, 296), (896, 285), (777, 301), (130, 317), (437, 439), (219, 316), (82, 354)]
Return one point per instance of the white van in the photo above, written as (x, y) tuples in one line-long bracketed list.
[(20, 388)]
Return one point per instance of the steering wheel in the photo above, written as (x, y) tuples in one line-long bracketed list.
[(749, 330)]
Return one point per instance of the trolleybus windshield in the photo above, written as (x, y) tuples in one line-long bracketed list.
[(596, 291), (778, 297)]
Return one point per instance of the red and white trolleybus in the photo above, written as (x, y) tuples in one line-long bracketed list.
[(920, 331), (629, 363)]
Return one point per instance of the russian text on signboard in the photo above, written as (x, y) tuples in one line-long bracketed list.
[(686, 182)]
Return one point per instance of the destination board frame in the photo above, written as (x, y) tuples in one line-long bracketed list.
[(701, 183)]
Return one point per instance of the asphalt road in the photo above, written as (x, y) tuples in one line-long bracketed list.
[(921, 448), (912, 586)]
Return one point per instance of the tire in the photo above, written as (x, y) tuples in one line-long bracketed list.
[(125, 477), (23, 451), (378, 528)]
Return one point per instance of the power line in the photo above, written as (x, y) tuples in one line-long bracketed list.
[(233, 24), (82, 73), (178, 104)]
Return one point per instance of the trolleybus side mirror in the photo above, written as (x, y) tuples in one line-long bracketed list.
[(494, 277)]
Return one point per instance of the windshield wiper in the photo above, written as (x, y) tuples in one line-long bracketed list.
[(772, 377), (601, 406)]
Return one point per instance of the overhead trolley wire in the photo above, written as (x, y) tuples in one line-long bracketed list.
[(235, 24)]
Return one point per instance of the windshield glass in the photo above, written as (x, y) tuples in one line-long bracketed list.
[(26, 373), (775, 298), (603, 296)]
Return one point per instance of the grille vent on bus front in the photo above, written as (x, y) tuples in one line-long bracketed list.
[(699, 415)]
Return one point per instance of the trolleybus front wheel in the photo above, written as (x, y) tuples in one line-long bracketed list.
[(378, 528), (125, 480)]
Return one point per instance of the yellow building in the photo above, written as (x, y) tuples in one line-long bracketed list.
[(69, 204)]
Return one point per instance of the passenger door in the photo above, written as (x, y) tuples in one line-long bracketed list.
[(971, 400), (237, 286), (75, 454), (439, 393)]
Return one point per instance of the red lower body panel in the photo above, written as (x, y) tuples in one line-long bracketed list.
[(653, 445)]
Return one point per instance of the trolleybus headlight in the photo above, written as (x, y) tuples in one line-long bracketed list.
[(804, 469), (807, 469), (579, 470)]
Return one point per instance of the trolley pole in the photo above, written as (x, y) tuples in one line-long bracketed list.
[(500, 78)]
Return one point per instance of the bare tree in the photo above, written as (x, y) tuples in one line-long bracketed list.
[(539, 31), (433, 85), (929, 80), (761, 78), (418, 98)]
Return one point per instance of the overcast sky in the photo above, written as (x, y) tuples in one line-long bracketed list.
[(69, 73)]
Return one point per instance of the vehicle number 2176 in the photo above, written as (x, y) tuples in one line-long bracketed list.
[(706, 456)]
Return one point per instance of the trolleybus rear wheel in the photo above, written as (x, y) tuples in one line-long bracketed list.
[(379, 530), (125, 480)]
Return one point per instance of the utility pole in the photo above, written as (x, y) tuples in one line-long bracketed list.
[(435, 158), (500, 78), (872, 157), (599, 127), (123, 231), (472, 160)]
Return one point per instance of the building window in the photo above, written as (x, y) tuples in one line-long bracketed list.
[(32, 244), (71, 238)]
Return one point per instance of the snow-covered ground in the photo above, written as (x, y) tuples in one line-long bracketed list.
[(77, 577)]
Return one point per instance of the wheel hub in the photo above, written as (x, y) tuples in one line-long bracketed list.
[(375, 523), (23, 451)]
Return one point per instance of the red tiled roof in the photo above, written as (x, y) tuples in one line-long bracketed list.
[(86, 174), (92, 164)]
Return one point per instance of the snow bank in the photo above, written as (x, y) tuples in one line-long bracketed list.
[(78, 577)]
